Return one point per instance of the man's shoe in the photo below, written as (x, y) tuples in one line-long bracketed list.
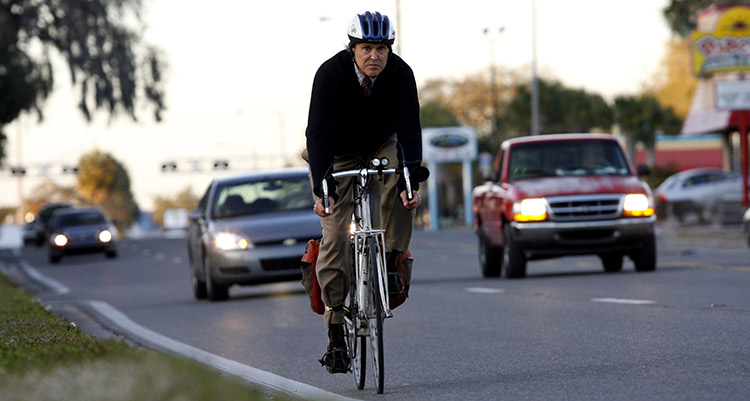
[(336, 360)]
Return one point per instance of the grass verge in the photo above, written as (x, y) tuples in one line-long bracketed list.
[(46, 357)]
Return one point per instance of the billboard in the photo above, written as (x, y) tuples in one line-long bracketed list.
[(727, 48)]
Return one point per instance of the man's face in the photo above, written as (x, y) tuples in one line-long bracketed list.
[(370, 58)]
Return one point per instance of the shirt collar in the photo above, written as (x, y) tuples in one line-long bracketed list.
[(361, 76)]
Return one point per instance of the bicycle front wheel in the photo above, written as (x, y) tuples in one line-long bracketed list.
[(356, 343), (376, 319)]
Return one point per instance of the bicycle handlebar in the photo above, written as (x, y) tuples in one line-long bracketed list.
[(420, 173)]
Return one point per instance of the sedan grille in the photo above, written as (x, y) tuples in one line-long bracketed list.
[(588, 207)]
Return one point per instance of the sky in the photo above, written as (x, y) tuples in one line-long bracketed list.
[(240, 73)]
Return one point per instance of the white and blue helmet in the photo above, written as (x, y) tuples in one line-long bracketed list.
[(371, 28)]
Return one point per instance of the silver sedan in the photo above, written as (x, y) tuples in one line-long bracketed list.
[(250, 229)]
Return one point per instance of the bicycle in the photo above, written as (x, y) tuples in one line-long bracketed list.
[(367, 302)]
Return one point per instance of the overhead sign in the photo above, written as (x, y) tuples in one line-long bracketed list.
[(727, 48), (733, 95), (449, 144)]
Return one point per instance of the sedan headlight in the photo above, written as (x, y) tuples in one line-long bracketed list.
[(533, 209), (60, 240), (231, 241), (105, 236), (637, 205)]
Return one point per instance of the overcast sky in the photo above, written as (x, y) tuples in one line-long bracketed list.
[(240, 76)]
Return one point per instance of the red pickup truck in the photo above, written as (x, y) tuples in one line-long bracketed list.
[(559, 195)]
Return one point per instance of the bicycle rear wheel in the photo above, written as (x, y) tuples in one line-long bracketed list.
[(356, 345), (376, 319)]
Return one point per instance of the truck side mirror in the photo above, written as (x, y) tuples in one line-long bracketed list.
[(643, 170), (491, 176)]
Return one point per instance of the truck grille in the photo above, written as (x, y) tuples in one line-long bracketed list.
[(588, 207)]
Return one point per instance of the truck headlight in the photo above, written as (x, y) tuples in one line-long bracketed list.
[(533, 209), (637, 205), (231, 241)]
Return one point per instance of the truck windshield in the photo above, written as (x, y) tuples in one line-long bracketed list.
[(566, 158)]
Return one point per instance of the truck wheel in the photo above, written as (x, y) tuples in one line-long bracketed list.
[(612, 262), (514, 258), (490, 257), (645, 258)]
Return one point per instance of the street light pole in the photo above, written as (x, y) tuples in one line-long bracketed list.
[(534, 83), (493, 78)]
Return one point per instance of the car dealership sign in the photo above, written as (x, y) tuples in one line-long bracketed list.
[(449, 144)]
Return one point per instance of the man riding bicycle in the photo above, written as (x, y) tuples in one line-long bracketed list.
[(364, 104)]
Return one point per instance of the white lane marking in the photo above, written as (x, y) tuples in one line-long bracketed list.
[(484, 290), (623, 301), (250, 373), (54, 285)]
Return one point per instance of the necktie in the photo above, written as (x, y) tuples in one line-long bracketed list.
[(366, 85)]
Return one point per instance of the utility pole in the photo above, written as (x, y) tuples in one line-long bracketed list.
[(399, 34), (493, 78), (534, 83)]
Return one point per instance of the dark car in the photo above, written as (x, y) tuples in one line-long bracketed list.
[(38, 230), (81, 230), (250, 229)]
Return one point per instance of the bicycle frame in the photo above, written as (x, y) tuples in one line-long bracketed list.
[(362, 230)]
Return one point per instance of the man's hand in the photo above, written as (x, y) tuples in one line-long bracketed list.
[(320, 210), (411, 204)]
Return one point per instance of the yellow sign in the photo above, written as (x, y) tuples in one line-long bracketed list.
[(727, 49)]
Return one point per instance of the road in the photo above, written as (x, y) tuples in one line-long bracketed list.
[(566, 332)]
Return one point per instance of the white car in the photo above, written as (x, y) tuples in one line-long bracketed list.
[(697, 194)]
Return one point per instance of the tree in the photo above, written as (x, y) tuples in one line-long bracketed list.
[(681, 15), (104, 182), (48, 191), (640, 117), (561, 109), (433, 114), (675, 84), (100, 41), (184, 200)]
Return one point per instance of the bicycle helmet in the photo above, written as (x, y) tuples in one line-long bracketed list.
[(371, 28)]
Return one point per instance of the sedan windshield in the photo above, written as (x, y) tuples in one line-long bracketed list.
[(80, 219), (263, 196), (566, 158)]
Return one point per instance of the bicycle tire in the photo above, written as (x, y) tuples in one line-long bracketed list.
[(375, 320), (357, 345)]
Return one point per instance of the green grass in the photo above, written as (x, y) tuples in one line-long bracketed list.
[(46, 357)]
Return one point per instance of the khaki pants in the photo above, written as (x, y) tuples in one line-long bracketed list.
[(335, 257)]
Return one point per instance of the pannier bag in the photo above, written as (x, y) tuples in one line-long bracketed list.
[(399, 277), (310, 279)]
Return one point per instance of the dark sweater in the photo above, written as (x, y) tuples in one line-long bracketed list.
[(342, 120)]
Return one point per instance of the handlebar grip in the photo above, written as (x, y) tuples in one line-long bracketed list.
[(326, 201), (407, 179)]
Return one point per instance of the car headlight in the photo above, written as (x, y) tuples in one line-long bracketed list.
[(637, 205), (60, 240), (231, 241), (533, 209), (105, 236)]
